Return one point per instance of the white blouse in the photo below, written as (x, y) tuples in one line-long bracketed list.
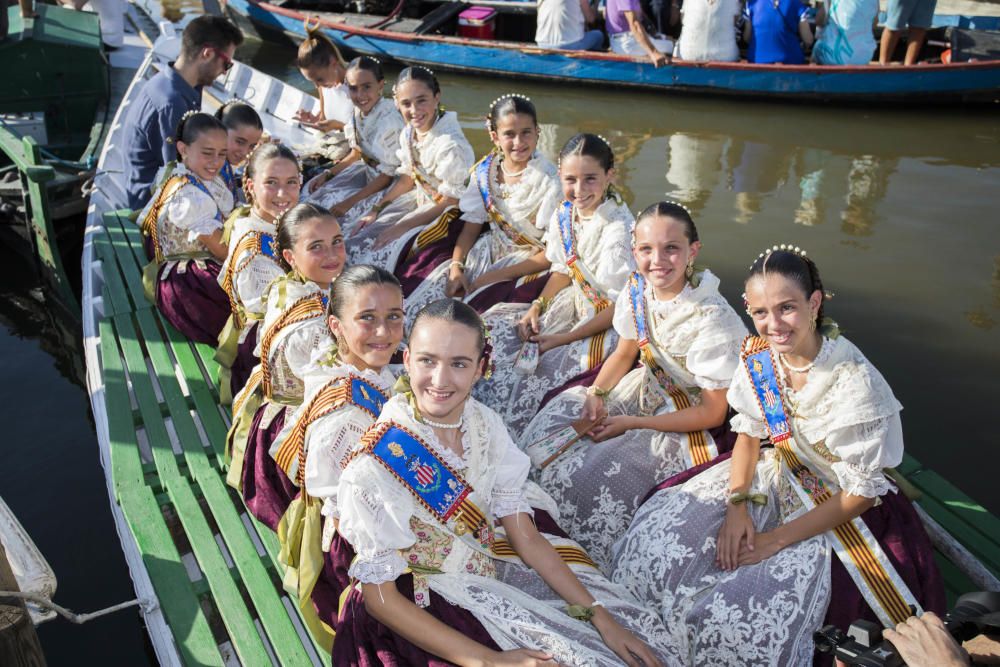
[(377, 135), (527, 205), (337, 104), (190, 212), (845, 421), (331, 438), (444, 157), (376, 509), (603, 244), (251, 279), (292, 349), (697, 328)]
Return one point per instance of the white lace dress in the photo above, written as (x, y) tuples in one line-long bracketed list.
[(391, 531), (599, 486), (846, 428), (440, 161), (604, 246), (376, 135), (527, 207)]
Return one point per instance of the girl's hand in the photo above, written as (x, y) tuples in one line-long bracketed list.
[(737, 532), (364, 221), (318, 182), (522, 657), (529, 325), (611, 427), (765, 545), (593, 408), (457, 284), (547, 342), (388, 236), (341, 209), (633, 651)]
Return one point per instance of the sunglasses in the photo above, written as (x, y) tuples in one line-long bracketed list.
[(227, 62)]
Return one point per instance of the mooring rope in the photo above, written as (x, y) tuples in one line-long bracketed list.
[(44, 602)]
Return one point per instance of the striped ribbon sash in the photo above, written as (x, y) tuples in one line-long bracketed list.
[(435, 231), (855, 546), (484, 180), (700, 448), (255, 243), (289, 452), (306, 308), (417, 175)]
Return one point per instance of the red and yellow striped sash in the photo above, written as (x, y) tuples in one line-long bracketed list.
[(251, 242), (332, 396), (306, 308), (149, 225)]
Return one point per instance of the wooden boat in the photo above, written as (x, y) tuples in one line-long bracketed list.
[(188, 540), (32, 572), (417, 41)]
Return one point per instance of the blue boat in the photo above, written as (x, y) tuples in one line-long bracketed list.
[(409, 41)]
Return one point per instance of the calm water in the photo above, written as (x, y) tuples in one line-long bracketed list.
[(898, 210)]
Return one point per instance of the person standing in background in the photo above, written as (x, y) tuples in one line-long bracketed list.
[(915, 16), (562, 24)]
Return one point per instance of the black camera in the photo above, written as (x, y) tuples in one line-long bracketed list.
[(974, 614)]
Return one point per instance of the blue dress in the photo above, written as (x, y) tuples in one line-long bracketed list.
[(775, 37)]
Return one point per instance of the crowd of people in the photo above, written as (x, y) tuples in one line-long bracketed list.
[(497, 419), (774, 31)]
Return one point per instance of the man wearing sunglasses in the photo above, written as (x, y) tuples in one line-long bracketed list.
[(207, 47)]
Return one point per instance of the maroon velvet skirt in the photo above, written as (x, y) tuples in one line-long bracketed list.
[(267, 491), (245, 360), (508, 291), (416, 265), (192, 300)]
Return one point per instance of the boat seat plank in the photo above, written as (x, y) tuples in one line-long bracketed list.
[(114, 285), (174, 592), (126, 465)]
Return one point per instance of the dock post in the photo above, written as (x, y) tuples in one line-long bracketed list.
[(19, 645)]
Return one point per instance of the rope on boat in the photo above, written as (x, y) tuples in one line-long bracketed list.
[(44, 602)]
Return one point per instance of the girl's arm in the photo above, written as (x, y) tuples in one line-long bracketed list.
[(323, 178), (402, 185), (534, 264), (711, 412), (457, 283), (595, 325), (377, 184), (213, 242), (388, 606), (529, 324), (538, 554), (737, 528), (805, 33), (614, 369), (414, 221)]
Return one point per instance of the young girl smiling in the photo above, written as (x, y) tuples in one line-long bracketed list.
[(568, 328), (272, 187), (182, 225), (649, 423), (440, 583), (351, 187)]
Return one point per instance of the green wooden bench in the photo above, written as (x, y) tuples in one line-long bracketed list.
[(167, 434)]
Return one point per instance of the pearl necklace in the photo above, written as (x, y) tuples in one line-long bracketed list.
[(584, 218), (435, 424), (511, 174), (796, 369)]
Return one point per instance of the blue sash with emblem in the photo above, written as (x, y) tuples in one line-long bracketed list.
[(760, 364), (482, 174)]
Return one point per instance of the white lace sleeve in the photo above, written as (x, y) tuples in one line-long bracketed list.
[(299, 345), (512, 475), (548, 207), (388, 149), (351, 133), (471, 203), (865, 450), (616, 262), (404, 158), (454, 160), (553, 245), (329, 442), (253, 280), (713, 367), (375, 518), (742, 399), (624, 321), (193, 210)]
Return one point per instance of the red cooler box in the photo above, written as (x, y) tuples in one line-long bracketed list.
[(478, 23)]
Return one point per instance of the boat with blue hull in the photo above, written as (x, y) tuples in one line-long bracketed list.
[(408, 41)]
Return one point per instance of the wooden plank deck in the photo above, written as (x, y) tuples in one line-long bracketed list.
[(213, 567)]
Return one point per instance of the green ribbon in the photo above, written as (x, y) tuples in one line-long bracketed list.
[(403, 387), (755, 498)]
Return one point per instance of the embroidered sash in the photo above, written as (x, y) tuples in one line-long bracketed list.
[(306, 308), (290, 453), (859, 551), (149, 223), (578, 270), (256, 243), (700, 448), (484, 181), (436, 231)]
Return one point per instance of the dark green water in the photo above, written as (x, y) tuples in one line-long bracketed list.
[(898, 209)]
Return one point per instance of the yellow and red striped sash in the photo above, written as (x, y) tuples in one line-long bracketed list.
[(290, 452), (251, 243), (149, 223), (571, 554), (306, 308), (436, 231)]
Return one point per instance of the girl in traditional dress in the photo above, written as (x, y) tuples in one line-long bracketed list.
[(649, 423), (272, 187), (567, 330), (351, 187), (312, 249), (770, 517), (435, 159), (440, 583), (346, 385), (515, 189), (183, 229), (243, 129), (320, 62)]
